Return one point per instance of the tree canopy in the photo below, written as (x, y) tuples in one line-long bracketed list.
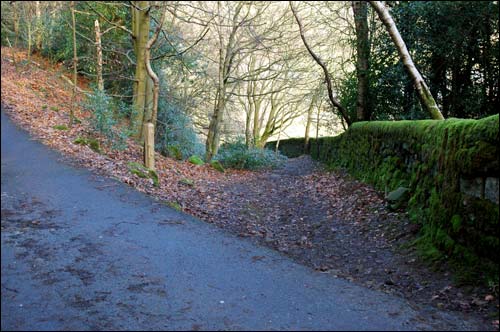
[(224, 70)]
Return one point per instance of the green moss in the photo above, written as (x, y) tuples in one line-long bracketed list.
[(174, 205), (80, 140), (456, 223), (139, 173), (217, 166), (54, 108), (94, 144), (154, 176), (187, 182), (91, 142), (143, 172), (194, 159), (60, 127)]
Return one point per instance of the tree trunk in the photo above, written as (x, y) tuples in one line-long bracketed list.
[(309, 120), (277, 147), (28, 23), (38, 26), (100, 81), (16, 31), (248, 129), (425, 96), (360, 10), (317, 130), (75, 70), (140, 28), (156, 87), (226, 55), (151, 73), (256, 120), (213, 136)]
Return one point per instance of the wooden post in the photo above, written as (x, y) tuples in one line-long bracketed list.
[(149, 145)]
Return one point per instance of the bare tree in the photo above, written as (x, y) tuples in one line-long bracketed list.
[(237, 37), (333, 100)]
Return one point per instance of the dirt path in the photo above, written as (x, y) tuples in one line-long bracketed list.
[(341, 227)]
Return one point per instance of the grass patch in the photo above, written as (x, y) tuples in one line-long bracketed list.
[(174, 205), (60, 127)]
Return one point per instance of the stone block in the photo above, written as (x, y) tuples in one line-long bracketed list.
[(472, 187), (491, 189)]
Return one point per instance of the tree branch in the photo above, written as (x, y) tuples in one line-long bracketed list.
[(318, 60)]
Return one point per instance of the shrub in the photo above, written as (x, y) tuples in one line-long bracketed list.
[(175, 152), (237, 155), (103, 119), (175, 134)]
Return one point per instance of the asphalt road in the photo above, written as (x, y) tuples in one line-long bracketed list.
[(83, 252)]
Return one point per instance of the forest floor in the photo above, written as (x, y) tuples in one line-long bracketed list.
[(324, 220)]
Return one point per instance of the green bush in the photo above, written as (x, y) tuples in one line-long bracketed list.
[(103, 119), (237, 155), (174, 152), (175, 135)]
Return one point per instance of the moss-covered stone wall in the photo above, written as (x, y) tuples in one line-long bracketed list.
[(292, 147), (451, 168)]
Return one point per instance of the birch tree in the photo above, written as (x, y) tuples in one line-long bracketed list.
[(334, 101), (100, 80), (426, 99)]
